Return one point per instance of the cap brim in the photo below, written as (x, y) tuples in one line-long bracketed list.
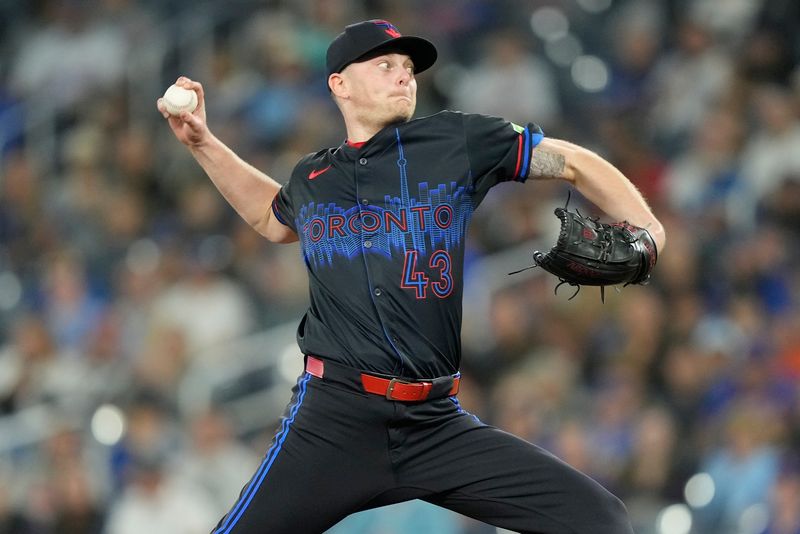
[(421, 51)]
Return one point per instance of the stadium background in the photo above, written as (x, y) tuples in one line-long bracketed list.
[(146, 334)]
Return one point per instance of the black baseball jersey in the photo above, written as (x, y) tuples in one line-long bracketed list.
[(382, 228)]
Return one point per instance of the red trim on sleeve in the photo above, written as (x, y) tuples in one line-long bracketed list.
[(519, 155), (277, 212)]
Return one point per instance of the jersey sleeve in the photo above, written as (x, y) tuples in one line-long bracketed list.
[(283, 207), (289, 196), (498, 150)]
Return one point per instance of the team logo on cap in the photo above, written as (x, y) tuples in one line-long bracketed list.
[(388, 27)]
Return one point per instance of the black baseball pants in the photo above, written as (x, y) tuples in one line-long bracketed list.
[(339, 451)]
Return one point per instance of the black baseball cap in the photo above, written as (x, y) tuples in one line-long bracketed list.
[(371, 36)]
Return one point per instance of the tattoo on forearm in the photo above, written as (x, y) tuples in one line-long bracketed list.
[(546, 164)]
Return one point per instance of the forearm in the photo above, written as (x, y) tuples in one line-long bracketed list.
[(249, 191), (597, 180), (608, 189)]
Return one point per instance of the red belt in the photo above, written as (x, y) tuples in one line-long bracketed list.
[(391, 388)]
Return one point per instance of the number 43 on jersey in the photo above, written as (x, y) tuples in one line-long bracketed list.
[(416, 279)]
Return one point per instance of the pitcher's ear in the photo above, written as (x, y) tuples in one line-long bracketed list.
[(337, 85)]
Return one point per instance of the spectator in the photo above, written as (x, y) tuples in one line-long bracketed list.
[(71, 310), (510, 81), (686, 82), (207, 306), (67, 57), (21, 206), (650, 477), (215, 461), (158, 503), (743, 468), (770, 155), (701, 180), (36, 369)]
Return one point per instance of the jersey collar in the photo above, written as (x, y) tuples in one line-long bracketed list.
[(354, 144)]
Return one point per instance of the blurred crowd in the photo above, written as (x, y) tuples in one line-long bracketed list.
[(119, 261)]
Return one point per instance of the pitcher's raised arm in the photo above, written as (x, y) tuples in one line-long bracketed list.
[(247, 189)]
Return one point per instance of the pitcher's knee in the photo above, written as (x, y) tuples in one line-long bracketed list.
[(610, 514)]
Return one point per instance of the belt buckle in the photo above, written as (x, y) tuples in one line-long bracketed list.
[(390, 387)]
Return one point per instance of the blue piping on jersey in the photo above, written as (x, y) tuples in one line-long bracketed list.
[(526, 150), (236, 512)]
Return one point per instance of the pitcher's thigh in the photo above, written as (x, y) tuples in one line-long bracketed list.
[(311, 477), (505, 481)]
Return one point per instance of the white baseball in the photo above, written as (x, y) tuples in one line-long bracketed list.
[(177, 100)]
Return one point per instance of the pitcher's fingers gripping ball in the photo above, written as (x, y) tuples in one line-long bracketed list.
[(183, 107), (178, 99)]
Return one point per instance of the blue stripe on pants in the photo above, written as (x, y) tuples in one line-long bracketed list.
[(241, 505)]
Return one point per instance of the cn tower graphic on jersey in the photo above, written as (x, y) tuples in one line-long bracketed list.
[(436, 219)]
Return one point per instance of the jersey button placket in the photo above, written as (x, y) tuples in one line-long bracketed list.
[(366, 242)]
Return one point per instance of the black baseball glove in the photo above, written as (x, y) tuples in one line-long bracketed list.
[(592, 253)]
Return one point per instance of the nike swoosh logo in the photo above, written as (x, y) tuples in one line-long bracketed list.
[(314, 174)]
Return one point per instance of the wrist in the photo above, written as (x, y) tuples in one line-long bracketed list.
[(658, 234), (204, 145)]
